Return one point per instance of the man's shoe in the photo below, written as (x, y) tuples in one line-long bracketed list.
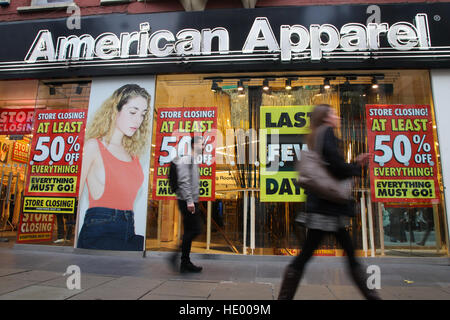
[(59, 241), (189, 267)]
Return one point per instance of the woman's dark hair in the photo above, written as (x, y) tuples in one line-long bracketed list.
[(318, 116)]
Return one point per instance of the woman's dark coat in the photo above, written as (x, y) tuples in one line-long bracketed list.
[(338, 168)]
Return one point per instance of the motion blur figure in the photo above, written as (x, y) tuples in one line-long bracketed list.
[(187, 195), (322, 216)]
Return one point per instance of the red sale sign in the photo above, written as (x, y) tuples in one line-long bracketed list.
[(403, 161), (56, 150), (53, 172), (16, 121), (20, 152), (174, 131)]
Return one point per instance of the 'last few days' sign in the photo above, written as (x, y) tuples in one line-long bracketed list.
[(283, 130)]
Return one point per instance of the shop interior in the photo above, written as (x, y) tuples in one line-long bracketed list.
[(15, 149), (237, 222)]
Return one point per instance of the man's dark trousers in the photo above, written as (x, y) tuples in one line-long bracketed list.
[(192, 228)]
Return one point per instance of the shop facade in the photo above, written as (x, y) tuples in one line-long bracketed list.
[(246, 80)]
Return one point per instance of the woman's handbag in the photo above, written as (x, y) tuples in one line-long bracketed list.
[(315, 177)]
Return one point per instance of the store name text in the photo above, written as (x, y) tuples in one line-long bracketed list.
[(316, 40)]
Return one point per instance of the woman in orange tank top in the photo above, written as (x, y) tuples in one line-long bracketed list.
[(112, 173)]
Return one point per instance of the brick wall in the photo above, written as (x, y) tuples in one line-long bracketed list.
[(93, 7), (270, 3)]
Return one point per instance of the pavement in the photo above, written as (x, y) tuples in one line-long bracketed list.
[(33, 272)]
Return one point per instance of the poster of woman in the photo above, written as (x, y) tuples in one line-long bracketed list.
[(114, 176)]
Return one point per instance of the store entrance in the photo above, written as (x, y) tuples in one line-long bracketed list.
[(256, 223), (409, 230)]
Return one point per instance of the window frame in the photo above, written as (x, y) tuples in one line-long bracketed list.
[(39, 5)]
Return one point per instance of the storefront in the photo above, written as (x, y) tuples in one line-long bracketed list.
[(246, 80)]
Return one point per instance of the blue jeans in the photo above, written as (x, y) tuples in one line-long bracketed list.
[(109, 229)]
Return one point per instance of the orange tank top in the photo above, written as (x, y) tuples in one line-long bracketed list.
[(122, 181)]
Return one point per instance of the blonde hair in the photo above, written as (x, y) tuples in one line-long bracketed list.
[(103, 123)]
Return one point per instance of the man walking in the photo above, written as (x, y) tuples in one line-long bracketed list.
[(188, 179)]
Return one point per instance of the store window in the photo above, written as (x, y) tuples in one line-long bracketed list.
[(19, 102), (241, 220), (48, 2), (15, 97)]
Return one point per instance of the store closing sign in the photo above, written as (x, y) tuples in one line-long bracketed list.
[(403, 162), (20, 151), (53, 172), (16, 121), (175, 129), (282, 137)]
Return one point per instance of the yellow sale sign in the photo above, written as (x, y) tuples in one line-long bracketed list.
[(282, 137)]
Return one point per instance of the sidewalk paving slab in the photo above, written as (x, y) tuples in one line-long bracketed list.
[(194, 289), (152, 296), (308, 292), (88, 281), (35, 275), (38, 292), (24, 274), (10, 271), (344, 292), (124, 288), (444, 286), (242, 291), (8, 285), (417, 293)]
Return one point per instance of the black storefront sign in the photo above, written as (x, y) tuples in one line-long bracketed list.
[(284, 38)]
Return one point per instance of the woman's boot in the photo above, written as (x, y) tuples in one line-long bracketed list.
[(290, 283)]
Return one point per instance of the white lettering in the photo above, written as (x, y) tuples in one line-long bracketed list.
[(402, 36), (107, 46), (221, 34), (74, 280), (42, 47), (154, 43), (373, 34), (318, 45), (353, 37), (294, 39), (423, 30), (75, 47), (268, 40), (189, 42), (126, 39), (374, 280), (288, 46)]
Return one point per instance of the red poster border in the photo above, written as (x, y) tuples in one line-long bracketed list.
[(158, 152), (370, 143), (80, 140)]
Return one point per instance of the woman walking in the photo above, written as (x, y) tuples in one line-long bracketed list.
[(322, 216)]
